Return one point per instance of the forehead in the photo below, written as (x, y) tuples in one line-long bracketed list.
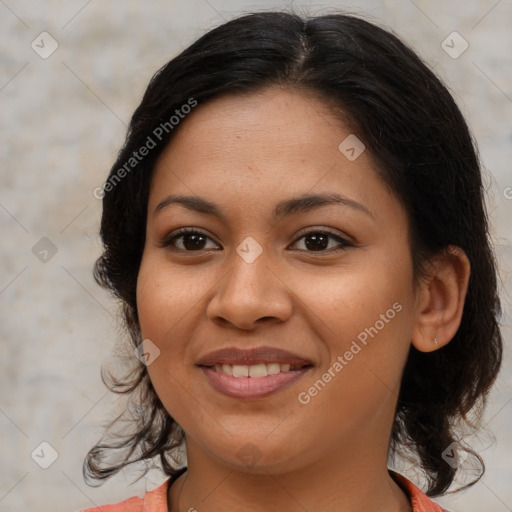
[(264, 146), (274, 119)]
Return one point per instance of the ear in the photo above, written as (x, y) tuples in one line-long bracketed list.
[(441, 299)]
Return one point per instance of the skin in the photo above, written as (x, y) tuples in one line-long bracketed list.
[(246, 154)]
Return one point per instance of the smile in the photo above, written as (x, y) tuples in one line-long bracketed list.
[(254, 370), (249, 382)]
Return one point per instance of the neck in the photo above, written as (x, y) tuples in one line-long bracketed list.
[(355, 485)]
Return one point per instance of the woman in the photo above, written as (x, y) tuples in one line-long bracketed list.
[(297, 232)]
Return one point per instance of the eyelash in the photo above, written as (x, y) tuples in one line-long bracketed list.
[(167, 242)]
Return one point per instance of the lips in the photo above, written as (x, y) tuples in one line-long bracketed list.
[(252, 373)]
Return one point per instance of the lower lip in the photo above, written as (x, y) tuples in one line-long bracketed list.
[(251, 387)]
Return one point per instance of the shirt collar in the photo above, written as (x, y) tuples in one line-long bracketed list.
[(156, 500), (419, 500)]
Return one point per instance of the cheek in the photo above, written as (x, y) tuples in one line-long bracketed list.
[(365, 318), (163, 299), (345, 301), (161, 303), (169, 309)]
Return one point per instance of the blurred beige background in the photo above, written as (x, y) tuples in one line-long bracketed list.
[(63, 118)]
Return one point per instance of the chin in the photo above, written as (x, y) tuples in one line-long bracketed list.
[(257, 454)]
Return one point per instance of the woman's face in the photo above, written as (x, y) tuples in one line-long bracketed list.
[(268, 270)]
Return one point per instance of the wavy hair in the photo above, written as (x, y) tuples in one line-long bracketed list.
[(411, 124)]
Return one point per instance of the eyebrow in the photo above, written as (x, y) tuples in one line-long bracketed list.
[(286, 208)]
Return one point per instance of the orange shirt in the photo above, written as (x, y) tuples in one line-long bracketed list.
[(156, 500)]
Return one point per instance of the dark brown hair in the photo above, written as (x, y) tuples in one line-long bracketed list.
[(409, 121)]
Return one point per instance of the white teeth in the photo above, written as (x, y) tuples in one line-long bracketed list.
[(240, 370), (227, 369), (273, 368), (253, 370), (258, 370)]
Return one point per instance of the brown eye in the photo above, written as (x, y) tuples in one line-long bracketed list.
[(319, 241), (192, 240)]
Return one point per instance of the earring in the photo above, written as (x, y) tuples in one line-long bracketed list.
[(436, 341)]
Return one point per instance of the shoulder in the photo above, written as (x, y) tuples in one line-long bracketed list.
[(153, 501), (419, 500)]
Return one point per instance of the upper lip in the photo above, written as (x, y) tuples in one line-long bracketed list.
[(257, 355)]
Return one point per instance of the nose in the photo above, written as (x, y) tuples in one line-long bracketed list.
[(250, 294)]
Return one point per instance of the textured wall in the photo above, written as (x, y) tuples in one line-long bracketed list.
[(63, 118)]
